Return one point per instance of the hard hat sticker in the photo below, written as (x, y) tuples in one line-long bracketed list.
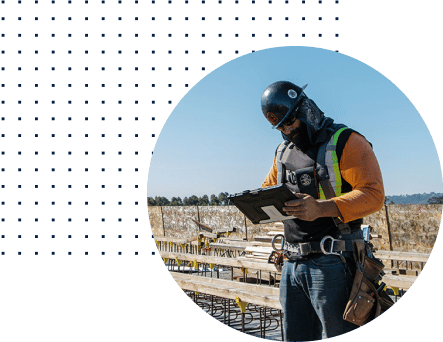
[(272, 118), (292, 93)]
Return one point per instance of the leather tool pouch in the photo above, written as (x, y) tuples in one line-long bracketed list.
[(276, 258), (366, 302)]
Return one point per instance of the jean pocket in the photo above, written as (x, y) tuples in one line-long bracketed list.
[(327, 260)]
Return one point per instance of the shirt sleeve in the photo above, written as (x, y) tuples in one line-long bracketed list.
[(360, 168), (271, 178)]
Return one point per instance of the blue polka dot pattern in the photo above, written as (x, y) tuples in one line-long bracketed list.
[(85, 90)]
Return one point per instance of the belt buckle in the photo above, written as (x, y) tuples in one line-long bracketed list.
[(331, 251)]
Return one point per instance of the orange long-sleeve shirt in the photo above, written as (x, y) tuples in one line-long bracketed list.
[(359, 167)]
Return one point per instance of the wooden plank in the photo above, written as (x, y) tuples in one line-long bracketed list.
[(264, 255), (242, 242), (203, 226), (402, 271), (259, 258), (175, 240), (223, 241), (274, 232), (232, 240), (264, 250), (225, 246), (229, 289), (401, 256), (213, 230), (268, 290), (260, 244), (402, 282), (210, 235), (226, 230), (263, 238), (235, 262)]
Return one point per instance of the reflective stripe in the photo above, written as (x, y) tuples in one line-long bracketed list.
[(336, 134), (332, 164), (322, 194)]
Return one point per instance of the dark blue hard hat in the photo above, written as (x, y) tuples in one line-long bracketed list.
[(280, 100)]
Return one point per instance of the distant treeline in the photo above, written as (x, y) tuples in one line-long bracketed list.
[(436, 200), (222, 199), (424, 198), (194, 200)]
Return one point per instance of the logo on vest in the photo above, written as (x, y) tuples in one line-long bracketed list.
[(305, 180)]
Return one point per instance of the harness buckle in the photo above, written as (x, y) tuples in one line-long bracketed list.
[(322, 245)]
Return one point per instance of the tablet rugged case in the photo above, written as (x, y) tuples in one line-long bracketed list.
[(264, 205)]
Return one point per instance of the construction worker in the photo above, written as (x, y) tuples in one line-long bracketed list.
[(319, 268)]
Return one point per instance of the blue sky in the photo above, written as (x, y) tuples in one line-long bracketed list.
[(217, 138)]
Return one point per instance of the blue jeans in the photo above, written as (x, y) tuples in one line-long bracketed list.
[(313, 294)]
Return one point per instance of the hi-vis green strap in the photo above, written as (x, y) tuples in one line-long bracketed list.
[(331, 160)]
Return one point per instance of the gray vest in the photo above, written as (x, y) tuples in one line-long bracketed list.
[(290, 159)]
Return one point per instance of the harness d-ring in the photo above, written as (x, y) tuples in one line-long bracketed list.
[(281, 244), (331, 250)]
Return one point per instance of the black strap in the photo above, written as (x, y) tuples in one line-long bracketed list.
[(313, 247)]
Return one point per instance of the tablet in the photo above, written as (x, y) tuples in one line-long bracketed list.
[(264, 205)]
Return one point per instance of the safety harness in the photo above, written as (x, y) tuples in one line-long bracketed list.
[(327, 173)]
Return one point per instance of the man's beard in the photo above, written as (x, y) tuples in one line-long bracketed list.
[(299, 136)]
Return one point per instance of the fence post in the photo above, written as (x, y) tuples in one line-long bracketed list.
[(163, 222), (389, 232), (388, 224), (246, 229)]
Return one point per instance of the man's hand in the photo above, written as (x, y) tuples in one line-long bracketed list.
[(307, 208)]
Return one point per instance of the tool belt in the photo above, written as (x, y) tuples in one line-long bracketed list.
[(301, 250), (328, 245), (368, 299)]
